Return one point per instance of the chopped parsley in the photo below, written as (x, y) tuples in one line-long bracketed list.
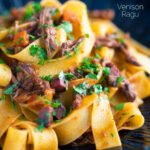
[(76, 51), (112, 99), (40, 127), (119, 80), (87, 35), (92, 76), (112, 134), (9, 90), (119, 106), (11, 31), (18, 69), (54, 12), (67, 26), (121, 40), (99, 47), (57, 121), (32, 37), (2, 45), (40, 52), (81, 88), (106, 90), (67, 54), (125, 114), (70, 36), (56, 104), (3, 97), (97, 88), (47, 78), (1, 61), (97, 55), (106, 70)]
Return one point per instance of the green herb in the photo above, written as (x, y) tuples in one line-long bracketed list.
[(11, 31), (76, 51), (70, 110), (32, 36), (70, 36), (9, 90), (67, 54), (81, 88), (1, 61), (120, 118), (97, 88), (43, 25), (40, 52), (27, 78), (87, 35), (13, 105), (69, 76), (121, 40), (112, 99), (2, 45), (18, 69), (40, 127), (54, 12), (99, 47), (119, 80), (47, 115), (119, 106), (67, 26), (92, 76), (7, 51), (22, 118), (106, 70), (112, 134), (106, 90), (3, 97), (61, 75), (32, 9), (97, 55), (54, 113), (47, 78), (57, 121), (125, 114), (56, 104)]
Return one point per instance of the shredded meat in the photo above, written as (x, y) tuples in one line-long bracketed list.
[(45, 21), (77, 101), (112, 42), (124, 86), (29, 83), (102, 14), (69, 45)]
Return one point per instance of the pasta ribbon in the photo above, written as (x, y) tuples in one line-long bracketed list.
[(103, 126), (129, 118)]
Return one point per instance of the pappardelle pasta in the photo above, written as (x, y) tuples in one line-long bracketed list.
[(68, 76)]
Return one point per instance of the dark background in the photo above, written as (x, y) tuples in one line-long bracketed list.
[(138, 27)]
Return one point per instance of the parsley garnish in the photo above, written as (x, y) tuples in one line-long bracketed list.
[(119, 106), (32, 9), (18, 69), (1, 61), (9, 91), (67, 26), (97, 55), (99, 47), (40, 52), (106, 70), (112, 134), (54, 12), (92, 76), (97, 88), (40, 127), (3, 97), (32, 37), (87, 35), (57, 121), (106, 90), (81, 88), (47, 78), (121, 40), (11, 31), (119, 80), (2, 45), (70, 36)]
